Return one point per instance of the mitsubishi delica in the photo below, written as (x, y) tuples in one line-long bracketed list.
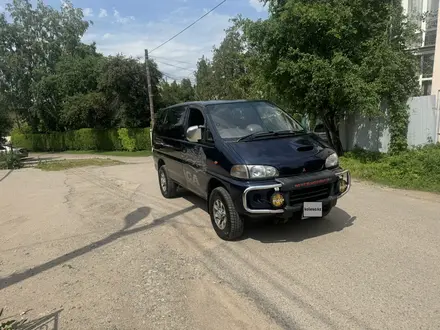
[(247, 159)]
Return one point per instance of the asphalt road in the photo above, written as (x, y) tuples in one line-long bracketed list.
[(99, 248)]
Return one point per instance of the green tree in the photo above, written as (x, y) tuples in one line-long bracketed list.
[(175, 93), (74, 75), (5, 124), (204, 80), (124, 84), (329, 58), (186, 90), (31, 43)]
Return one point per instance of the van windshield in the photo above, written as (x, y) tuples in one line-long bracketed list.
[(240, 119)]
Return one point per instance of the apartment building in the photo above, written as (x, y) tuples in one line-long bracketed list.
[(424, 13)]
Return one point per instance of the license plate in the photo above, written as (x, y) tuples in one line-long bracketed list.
[(312, 210)]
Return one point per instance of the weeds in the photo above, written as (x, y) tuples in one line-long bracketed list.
[(10, 161), (61, 165), (417, 169)]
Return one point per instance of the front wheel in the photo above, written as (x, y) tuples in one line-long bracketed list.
[(226, 221)]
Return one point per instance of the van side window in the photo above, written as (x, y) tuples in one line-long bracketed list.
[(173, 125), (160, 120), (195, 118)]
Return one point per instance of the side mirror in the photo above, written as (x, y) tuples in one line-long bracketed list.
[(194, 134)]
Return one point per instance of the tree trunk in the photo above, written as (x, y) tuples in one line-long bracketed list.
[(332, 131)]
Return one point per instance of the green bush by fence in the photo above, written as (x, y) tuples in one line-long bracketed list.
[(130, 139)]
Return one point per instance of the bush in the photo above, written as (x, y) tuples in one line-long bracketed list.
[(129, 139), (142, 137), (10, 161), (418, 168), (133, 139)]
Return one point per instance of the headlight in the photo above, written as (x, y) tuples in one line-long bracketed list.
[(254, 171), (332, 161)]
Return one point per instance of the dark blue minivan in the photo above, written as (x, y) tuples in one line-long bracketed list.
[(247, 159)]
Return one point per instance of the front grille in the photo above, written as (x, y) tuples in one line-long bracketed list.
[(310, 194)]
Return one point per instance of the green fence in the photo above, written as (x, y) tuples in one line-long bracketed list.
[(129, 139)]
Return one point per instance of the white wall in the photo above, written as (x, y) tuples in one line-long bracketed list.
[(373, 134)]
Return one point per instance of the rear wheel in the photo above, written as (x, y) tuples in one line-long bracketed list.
[(226, 221), (168, 187)]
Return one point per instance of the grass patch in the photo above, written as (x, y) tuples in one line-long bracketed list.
[(142, 153), (417, 169), (60, 165)]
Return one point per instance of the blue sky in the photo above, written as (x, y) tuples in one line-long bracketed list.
[(130, 26)]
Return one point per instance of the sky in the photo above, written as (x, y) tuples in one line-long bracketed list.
[(130, 26)]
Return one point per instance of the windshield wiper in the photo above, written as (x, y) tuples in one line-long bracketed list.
[(252, 136)]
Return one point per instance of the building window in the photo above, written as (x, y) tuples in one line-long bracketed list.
[(426, 87), (432, 14), (427, 65), (430, 37), (415, 9)]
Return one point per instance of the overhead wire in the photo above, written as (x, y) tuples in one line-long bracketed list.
[(199, 19), (171, 59), (175, 66)]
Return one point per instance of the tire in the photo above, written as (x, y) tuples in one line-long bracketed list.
[(168, 187), (232, 225)]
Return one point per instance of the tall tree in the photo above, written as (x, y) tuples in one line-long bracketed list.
[(329, 58), (74, 75), (31, 43), (204, 80), (124, 84), (176, 92), (186, 90)]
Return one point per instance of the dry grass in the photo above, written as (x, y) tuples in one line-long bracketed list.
[(60, 165)]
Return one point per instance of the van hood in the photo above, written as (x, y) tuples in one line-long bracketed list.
[(290, 155)]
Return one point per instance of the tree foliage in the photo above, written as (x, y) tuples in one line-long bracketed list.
[(174, 93), (31, 44), (331, 58), (54, 82), (323, 58)]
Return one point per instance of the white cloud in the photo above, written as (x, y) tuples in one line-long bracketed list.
[(102, 13), (184, 51), (121, 19), (88, 12), (257, 5)]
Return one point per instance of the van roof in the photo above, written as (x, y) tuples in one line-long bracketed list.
[(210, 102)]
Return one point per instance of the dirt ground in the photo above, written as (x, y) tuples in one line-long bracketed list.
[(99, 248)]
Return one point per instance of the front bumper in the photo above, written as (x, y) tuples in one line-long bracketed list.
[(317, 187)]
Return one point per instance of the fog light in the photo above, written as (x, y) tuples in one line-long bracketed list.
[(277, 199), (342, 185)]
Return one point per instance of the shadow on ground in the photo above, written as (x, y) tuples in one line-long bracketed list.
[(300, 230), (6, 175), (293, 231), (129, 221)]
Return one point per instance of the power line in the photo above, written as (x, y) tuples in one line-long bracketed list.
[(176, 78), (175, 66), (171, 77), (189, 26), (172, 60)]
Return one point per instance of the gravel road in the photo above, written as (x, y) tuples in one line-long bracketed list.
[(99, 248)]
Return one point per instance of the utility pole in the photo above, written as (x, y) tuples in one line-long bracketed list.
[(150, 91)]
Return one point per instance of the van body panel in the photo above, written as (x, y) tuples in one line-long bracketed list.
[(299, 158)]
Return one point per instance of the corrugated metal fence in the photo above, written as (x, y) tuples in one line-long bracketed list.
[(373, 134)]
